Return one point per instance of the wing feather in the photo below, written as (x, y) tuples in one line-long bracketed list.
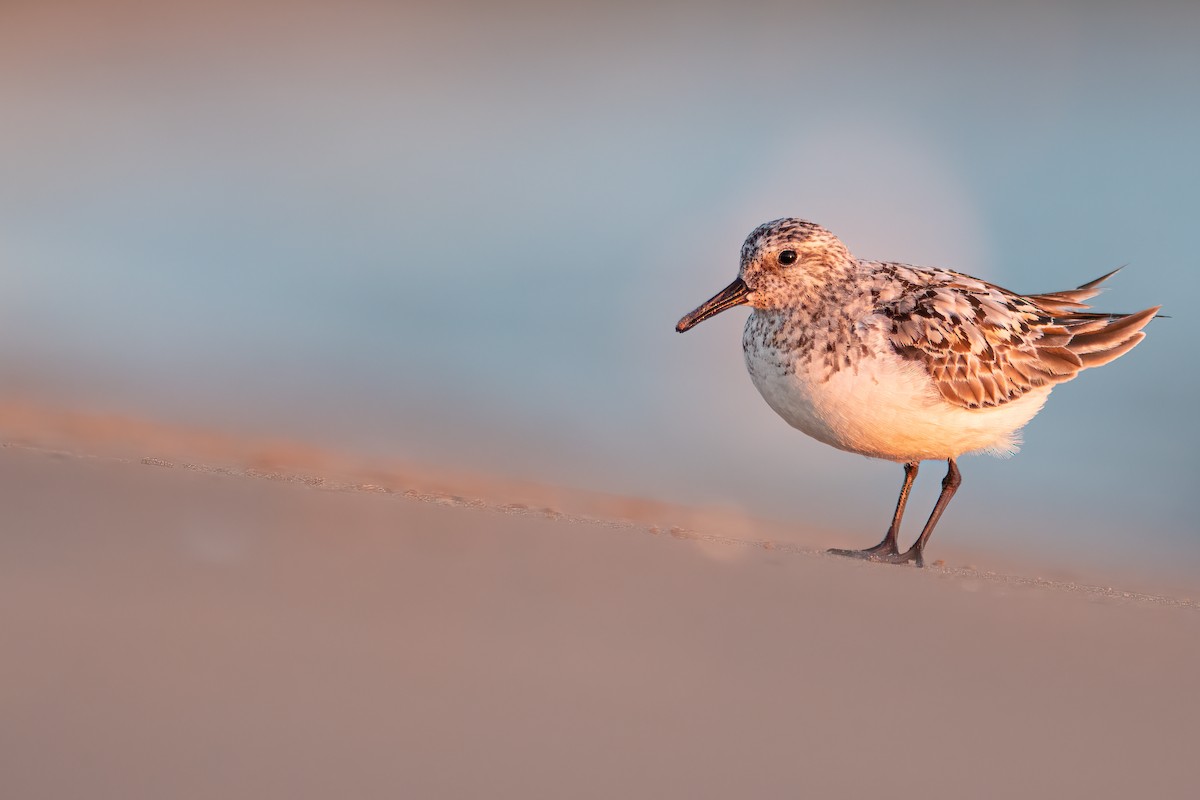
[(984, 346)]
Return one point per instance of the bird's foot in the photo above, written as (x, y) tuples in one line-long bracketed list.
[(885, 553), (910, 556), (885, 548)]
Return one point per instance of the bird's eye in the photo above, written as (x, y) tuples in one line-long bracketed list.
[(787, 257)]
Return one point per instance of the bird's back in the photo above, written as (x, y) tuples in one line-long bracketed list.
[(984, 346)]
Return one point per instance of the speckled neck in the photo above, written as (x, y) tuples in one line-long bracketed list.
[(815, 326)]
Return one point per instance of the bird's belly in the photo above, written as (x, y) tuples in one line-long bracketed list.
[(884, 407)]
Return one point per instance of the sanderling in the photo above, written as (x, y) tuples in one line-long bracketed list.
[(905, 363)]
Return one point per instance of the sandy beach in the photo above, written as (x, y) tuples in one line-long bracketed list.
[(349, 449), (258, 622)]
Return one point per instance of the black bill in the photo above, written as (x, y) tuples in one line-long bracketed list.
[(732, 295)]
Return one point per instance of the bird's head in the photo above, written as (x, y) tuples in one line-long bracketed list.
[(781, 261)]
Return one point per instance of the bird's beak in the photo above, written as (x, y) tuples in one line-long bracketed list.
[(734, 294)]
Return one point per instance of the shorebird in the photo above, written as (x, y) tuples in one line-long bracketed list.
[(905, 363)]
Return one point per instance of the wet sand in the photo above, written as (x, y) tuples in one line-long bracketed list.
[(196, 616)]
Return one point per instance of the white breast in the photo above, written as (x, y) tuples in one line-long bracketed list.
[(882, 406)]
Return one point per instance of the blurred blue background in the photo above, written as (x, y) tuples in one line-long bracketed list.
[(461, 233)]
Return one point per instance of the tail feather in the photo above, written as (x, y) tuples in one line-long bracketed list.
[(1092, 338), (1081, 324), (1090, 286), (1115, 333), (1102, 357), (1070, 300), (1100, 344)]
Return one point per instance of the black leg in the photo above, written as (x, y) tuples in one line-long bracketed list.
[(916, 553), (888, 546)]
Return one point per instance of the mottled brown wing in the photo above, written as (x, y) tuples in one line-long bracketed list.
[(984, 346)]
